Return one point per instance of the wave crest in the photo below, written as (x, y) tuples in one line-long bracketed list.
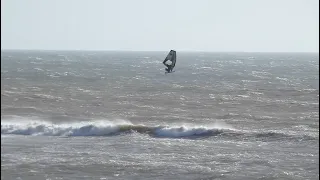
[(107, 128), (102, 129)]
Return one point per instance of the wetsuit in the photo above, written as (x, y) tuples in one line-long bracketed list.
[(169, 68)]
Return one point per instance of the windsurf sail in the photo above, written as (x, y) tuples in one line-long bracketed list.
[(170, 57)]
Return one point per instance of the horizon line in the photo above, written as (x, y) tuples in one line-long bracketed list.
[(204, 51)]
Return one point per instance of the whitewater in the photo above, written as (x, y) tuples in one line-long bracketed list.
[(116, 115)]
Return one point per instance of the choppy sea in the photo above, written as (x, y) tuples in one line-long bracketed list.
[(117, 115)]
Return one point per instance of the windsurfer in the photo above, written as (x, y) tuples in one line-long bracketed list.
[(169, 67), (170, 57)]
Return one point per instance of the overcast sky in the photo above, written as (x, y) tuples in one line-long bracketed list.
[(161, 25)]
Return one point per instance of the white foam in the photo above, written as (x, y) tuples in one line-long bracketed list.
[(180, 131), (187, 130), (38, 127)]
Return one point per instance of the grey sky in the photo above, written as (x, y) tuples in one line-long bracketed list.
[(201, 25)]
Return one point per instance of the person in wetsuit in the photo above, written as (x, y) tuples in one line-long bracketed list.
[(169, 67)]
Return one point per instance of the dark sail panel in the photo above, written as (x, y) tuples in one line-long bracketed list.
[(174, 59)]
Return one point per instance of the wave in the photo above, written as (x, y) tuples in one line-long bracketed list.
[(101, 128), (108, 128)]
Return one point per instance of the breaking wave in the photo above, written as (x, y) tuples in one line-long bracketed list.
[(101, 128), (108, 128)]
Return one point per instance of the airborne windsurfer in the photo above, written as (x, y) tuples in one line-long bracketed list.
[(170, 57)]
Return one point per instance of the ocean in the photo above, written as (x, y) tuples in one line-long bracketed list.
[(117, 115)]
